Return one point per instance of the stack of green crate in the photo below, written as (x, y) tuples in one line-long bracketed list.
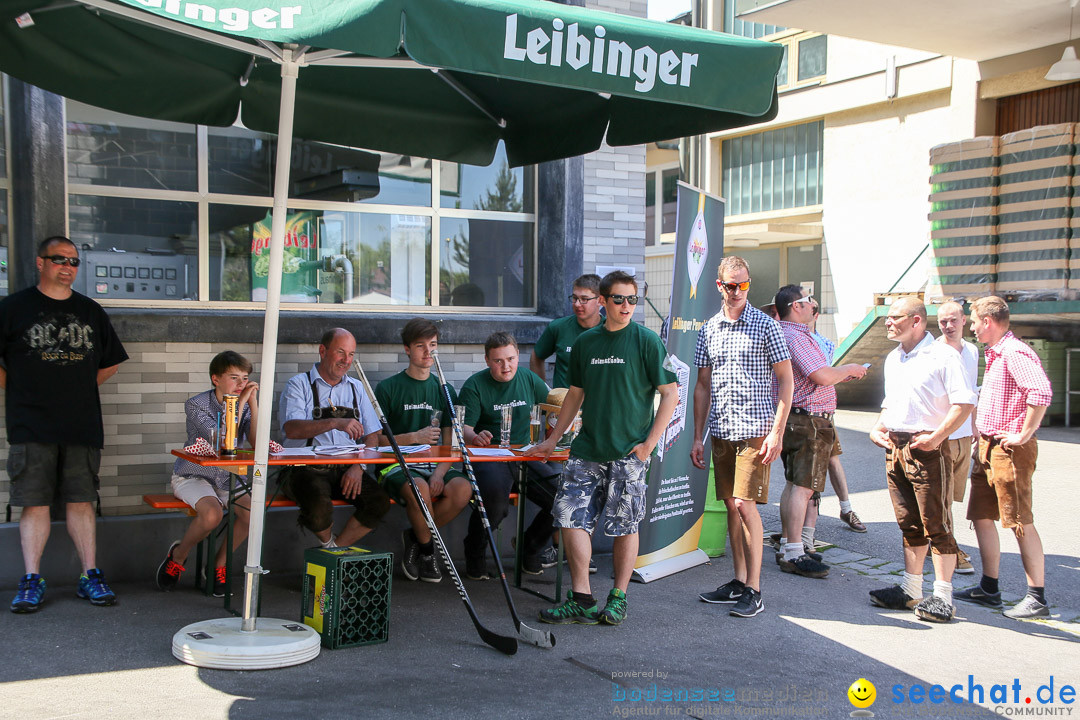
[(1052, 355), (963, 196), (346, 595), (1034, 209)]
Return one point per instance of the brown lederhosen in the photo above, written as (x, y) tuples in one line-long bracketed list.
[(1001, 483), (919, 490)]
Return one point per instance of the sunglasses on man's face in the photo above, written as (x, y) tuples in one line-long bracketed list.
[(620, 299), (732, 287), (62, 260), (808, 300)]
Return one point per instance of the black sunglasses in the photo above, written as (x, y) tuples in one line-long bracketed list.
[(62, 260), (620, 299)]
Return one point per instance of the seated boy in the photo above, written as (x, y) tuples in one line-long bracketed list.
[(408, 399), (207, 489)]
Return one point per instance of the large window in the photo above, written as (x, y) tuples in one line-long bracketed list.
[(171, 212), (773, 170)]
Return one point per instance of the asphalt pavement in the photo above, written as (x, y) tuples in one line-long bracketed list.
[(673, 656)]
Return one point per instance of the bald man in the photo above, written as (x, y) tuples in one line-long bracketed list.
[(926, 399), (950, 320), (322, 407)]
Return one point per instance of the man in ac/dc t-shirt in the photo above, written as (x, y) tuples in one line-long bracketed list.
[(57, 346)]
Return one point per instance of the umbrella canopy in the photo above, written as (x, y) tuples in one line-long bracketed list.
[(445, 79)]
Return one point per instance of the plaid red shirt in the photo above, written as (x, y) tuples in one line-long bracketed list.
[(1013, 380), (806, 358)]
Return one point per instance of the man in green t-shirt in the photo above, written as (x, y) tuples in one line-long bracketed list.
[(615, 369), (410, 400), (559, 336), (484, 395)]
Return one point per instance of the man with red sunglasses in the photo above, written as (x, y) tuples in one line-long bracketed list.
[(739, 351), (57, 347)]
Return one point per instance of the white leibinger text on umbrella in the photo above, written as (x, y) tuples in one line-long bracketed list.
[(570, 45), (230, 19)]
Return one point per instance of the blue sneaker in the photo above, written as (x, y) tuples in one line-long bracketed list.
[(92, 587), (31, 593)]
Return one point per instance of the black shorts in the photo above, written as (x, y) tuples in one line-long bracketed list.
[(41, 471)]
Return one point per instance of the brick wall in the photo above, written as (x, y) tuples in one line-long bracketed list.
[(143, 407), (615, 188)]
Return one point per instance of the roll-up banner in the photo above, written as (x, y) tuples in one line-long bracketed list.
[(675, 501)]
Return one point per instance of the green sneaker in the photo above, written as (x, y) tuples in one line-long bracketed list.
[(614, 611), (570, 611)]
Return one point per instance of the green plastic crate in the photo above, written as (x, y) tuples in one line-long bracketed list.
[(346, 596)]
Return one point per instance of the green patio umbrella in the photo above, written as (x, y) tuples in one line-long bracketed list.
[(445, 79)]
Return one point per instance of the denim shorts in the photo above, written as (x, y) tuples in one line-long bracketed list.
[(614, 491), (41, 471)]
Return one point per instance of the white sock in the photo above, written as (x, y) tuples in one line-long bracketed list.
[(808, 537), (913, 585), (792, 550), (943, 590), (330, 543), (845, 506)]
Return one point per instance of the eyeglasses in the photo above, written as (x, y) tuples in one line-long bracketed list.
[(808, 300), (581, 299), (732, 287), (620, 299), (62, 260)]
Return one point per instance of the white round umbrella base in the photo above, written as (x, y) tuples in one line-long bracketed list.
[(221, 645)]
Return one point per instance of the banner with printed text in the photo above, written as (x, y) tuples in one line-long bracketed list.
[(676, 494)]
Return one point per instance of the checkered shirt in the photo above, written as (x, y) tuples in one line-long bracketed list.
[(1014, 379), (741, 354), (806, 358), (202, 412)]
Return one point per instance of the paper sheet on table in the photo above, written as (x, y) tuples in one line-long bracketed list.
[(526, 449), (491, 452), (405, 449), (337, 449), (295, 452)]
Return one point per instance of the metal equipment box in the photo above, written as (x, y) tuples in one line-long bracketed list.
[(346, 596)]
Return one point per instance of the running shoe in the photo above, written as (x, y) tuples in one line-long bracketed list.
[(30, 595), (729, 592), (410, 556), (749, 604), (476, 568), (614, 611), (92, 587), (220, 578), (429, 569), (1028, 608), (979, 596), (571, 611), (168, 572)]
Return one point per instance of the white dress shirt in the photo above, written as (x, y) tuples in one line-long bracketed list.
[(969, 359), (921, 386)]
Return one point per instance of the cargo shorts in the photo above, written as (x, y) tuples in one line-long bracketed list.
[(40, 471)]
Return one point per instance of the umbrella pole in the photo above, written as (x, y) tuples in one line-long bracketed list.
[(229, 644), (253, 568)]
